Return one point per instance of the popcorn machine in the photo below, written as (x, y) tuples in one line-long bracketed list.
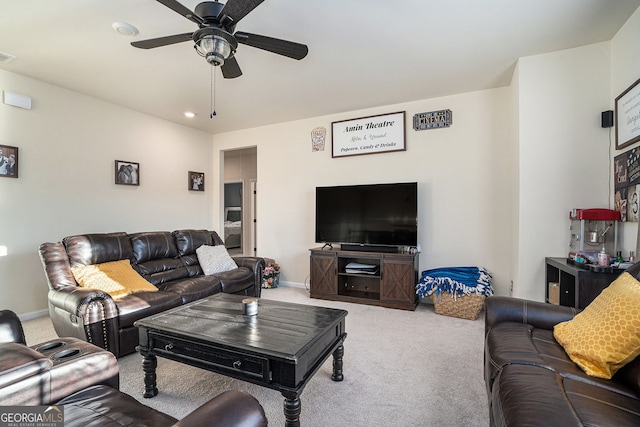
[(593, 234)]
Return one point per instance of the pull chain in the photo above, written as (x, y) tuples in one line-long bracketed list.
[(213, 92)]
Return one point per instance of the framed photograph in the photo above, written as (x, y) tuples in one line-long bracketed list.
[(368, 135), (127, 173), (8, 161), (628, 116), (196, 181)]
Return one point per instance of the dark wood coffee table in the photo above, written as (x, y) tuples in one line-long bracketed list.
[(281, 347)]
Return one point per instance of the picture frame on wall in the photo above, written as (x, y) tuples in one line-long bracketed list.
[(196, 181), (8, 161), (382, 133), (627, 120), (127, 173)]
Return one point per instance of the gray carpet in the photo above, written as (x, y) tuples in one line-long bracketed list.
[(401, 368)]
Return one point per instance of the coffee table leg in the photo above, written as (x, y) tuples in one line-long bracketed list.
[(149, 364), (337, 363), (292, 410)]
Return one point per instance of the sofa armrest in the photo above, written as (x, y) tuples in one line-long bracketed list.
[(540, 315), (230, 409), (11, 328), (257, 265), (87, 314)]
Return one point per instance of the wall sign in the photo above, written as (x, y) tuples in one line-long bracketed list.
[(368, 135), (433, 120), (628, 116)]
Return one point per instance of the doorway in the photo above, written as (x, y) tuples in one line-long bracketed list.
[(233, 193), (238, 210)]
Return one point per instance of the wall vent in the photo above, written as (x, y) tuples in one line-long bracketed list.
[(5, 58)]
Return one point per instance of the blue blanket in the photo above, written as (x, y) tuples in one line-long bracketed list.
[(456, 281)]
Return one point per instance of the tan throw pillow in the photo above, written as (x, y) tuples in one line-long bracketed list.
[(116, 278), (215, 259), (605, 336)]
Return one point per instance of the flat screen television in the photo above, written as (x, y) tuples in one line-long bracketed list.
[(361, 217)]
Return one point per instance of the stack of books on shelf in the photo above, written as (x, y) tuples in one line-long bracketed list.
[(358, 268)]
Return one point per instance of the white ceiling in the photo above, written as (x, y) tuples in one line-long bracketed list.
[(361, 53)]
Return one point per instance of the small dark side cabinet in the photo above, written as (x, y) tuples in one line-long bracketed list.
[(393, 286), (578, 286)]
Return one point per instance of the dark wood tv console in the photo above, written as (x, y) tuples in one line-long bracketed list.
[(391, 285)]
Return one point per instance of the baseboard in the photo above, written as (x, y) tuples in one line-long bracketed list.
[(33, 315), (292, 285)]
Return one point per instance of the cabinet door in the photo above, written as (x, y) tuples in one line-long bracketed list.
[(398, 280), (324, 279)]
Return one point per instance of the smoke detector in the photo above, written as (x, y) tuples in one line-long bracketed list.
[(124, 29)]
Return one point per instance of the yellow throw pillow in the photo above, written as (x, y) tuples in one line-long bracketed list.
[(605, 336), (116, 278)]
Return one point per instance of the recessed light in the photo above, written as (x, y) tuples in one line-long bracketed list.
[(124, 29), (189, 114)]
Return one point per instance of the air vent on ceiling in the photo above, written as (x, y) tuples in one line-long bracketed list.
[(5, 58)]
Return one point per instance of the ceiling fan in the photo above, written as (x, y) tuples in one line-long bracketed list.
[(215, 39)]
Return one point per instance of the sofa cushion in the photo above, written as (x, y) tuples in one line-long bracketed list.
[(89, 249), (606, 335), (193, 288), (533, 395), (215, 259), (509, 343), (136, 306), (18, 362), (525, 395), (187, 241), (237, 281), (154, 245), (116, 278), (101, 406), (629, 375)]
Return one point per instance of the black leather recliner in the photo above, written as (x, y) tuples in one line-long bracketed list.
[(166, 259), (84, 379)]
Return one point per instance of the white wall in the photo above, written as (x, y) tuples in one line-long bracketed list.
[(625, 70), (563, 153), (464, 174), (495, 188), (67, 145)]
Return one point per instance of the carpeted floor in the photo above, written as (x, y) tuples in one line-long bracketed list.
[(401, 368)]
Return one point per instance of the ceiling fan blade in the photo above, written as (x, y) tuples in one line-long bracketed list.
[(238, 9), (231, 69), (182, 10), (281, 47), (162, 41)]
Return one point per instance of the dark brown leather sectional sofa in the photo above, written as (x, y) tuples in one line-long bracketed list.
[(166, 259), (531, 381), (84, 380)]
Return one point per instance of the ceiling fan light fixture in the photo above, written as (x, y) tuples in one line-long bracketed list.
[(214, 44), (214, 49)]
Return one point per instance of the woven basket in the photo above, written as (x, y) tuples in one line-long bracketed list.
[(463, 306)]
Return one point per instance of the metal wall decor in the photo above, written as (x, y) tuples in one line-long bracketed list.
[(433, 120)]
